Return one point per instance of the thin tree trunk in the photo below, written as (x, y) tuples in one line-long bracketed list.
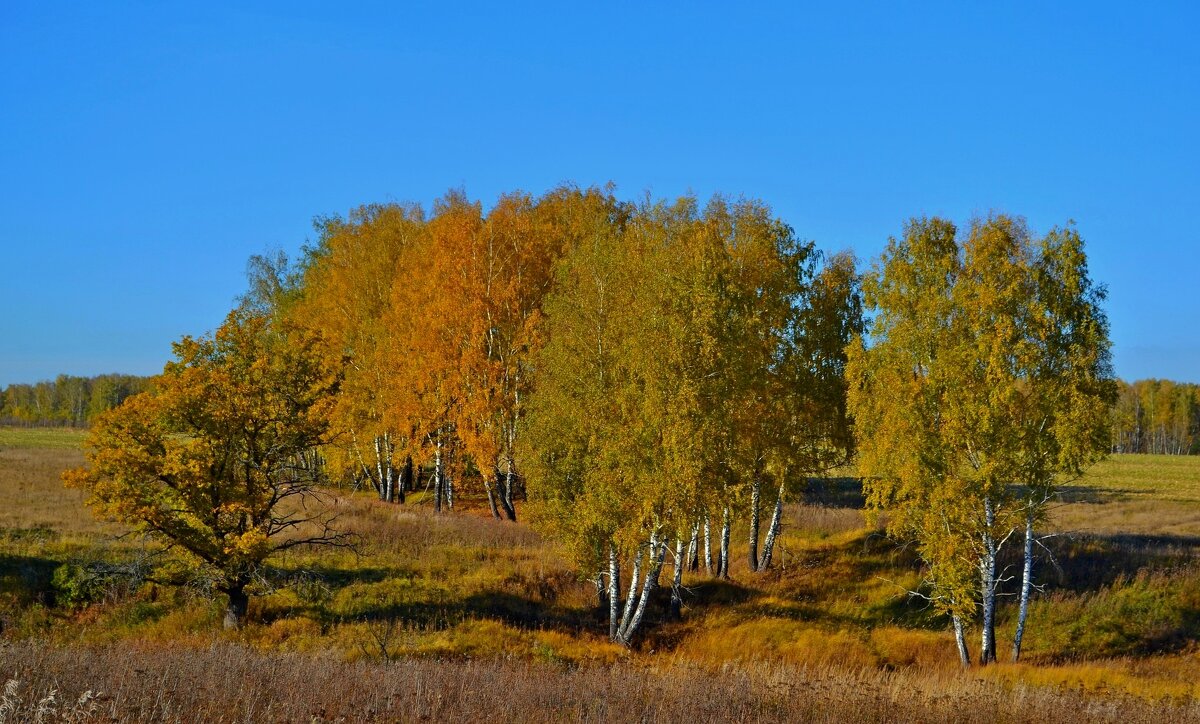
[(382, 489), (405, 481), (693, 552), (987, 573), (631, 598), (437, 475), (506, 492), (614, 591), (960, 638), (491, 495), (755, 499), (1026, 585), (676, 610), (658, 552), (238, 604), (773, 531), (723, 563), (708, 557)]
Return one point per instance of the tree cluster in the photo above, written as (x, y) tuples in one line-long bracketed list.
[(984, 382), (644, 374), (67, 400), (1157, 416)]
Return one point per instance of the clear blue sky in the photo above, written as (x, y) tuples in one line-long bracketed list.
[(147, 149)]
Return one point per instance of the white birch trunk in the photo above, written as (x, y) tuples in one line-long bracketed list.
[(773, 531), (1026, 585), (755, 501), (987, 585), (960, 638), (708, 557), (658, 551), (693, 551), (676, 611), (631, 598), (614, 591), (723, 564)]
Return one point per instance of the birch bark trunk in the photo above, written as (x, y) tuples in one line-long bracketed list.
[(693, 551), (676, 610), (708, 557), (614, 591), (631, 597), (658, 551), (773, 531), (723, 564), (1026, 585), (960, 638), (987, 575), (755, 499)]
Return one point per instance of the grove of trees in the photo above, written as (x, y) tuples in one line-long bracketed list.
[(645, 375), (67, 400), (1157, 416)]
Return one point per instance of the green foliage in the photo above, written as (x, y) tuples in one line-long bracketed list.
[(67, 400)]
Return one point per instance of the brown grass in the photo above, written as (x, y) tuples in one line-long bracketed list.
[(227, 683), (493, 620)]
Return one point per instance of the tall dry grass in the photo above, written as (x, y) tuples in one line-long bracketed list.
[(229, 683)]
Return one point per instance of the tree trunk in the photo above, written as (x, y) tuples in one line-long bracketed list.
[(614, 591), (631, 598), (987, 581), (723, 563), (755, 499), (658, 551), (506, 491), (384, 483), (693, 551), (491, 494), (708, 557), (1026, 585), (239, 603), (960, 638), (676, 611), (437, 475), (772, 532), (408, 482)]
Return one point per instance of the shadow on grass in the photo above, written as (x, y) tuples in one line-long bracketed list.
[(28, 578), (835, 493), (1090, 562)]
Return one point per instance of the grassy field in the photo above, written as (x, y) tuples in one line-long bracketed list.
[(458, 613)]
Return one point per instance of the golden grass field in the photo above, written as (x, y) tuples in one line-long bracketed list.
[(462, 617)]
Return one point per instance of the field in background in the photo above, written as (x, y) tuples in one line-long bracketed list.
[(829, 627)]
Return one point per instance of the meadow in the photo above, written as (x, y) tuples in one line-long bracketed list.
[(460, 616)]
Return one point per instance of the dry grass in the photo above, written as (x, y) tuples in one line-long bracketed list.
[(488, 616), (227, 683)]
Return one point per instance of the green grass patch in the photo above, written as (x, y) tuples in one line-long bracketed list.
[(55, 438)]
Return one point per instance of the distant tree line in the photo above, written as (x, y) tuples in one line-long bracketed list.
[(67, 400), (1157, 416)]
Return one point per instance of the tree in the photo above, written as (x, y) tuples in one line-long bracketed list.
[(207, 459), (987, 382)]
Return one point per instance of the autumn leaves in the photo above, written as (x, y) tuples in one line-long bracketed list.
[(646, 373)]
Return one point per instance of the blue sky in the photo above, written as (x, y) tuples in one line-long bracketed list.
[(148, 149)]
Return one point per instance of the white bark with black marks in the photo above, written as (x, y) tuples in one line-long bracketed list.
[(723, 563), (772, 532), (1026, 585), (755, 503)]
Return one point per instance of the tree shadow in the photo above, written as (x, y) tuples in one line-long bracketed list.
[(28, 577), (843, 492), (1088, 562)]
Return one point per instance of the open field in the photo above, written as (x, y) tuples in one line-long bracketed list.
[(459, 616)]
